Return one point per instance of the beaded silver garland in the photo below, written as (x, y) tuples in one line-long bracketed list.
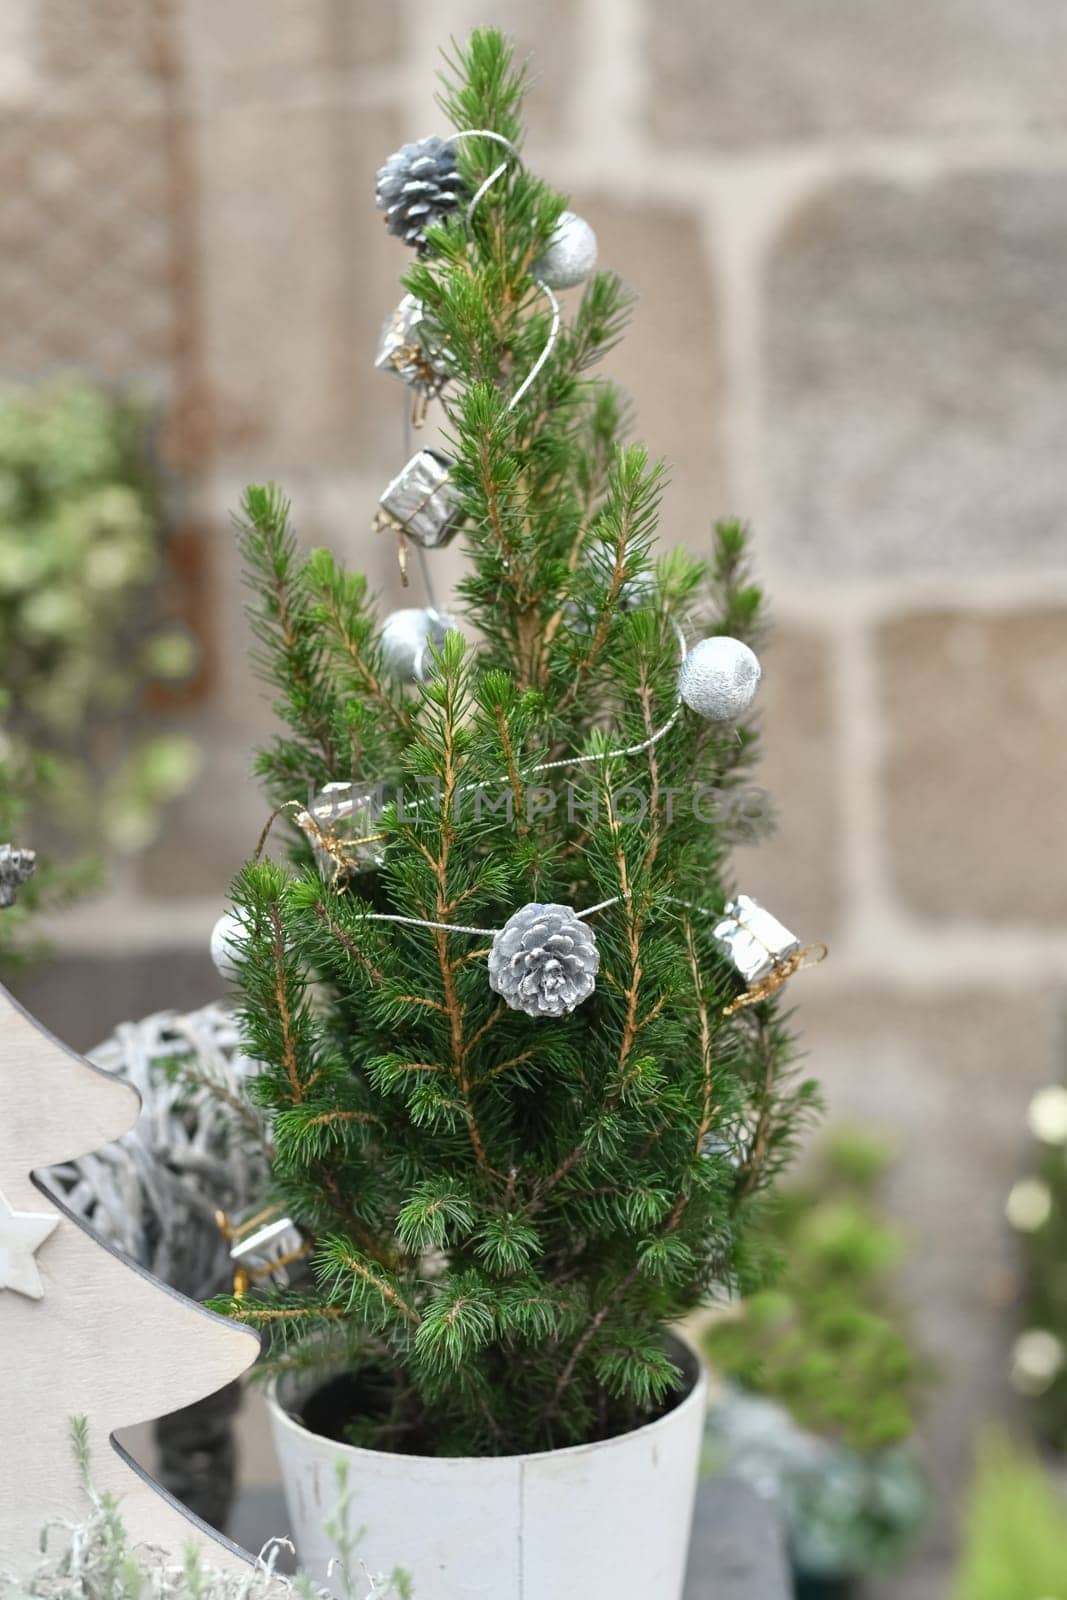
[(718, 678), (544, 960)]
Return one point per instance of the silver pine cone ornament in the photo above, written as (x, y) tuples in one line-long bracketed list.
[(419, 185), (544, 961)]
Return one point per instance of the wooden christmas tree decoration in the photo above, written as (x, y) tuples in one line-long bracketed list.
[(83, 1331)]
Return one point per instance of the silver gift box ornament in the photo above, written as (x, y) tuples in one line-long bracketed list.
[(342, 825), (263, 1248), (422, 502), (405, 351), (755, 941)]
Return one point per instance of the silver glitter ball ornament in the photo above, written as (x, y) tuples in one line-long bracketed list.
[(227, 936), (640, 590), (16, 868), (570, 254), (409, 638), (718, 678), (544, 961)]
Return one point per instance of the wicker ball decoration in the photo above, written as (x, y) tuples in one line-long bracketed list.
[(198, 1147)]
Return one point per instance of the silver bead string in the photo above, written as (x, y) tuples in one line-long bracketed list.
[(629, 749), (548, 766), (498, 172), (553, 332), (782, 968), (597, 755), (553, 335), (476, 200), (307, 822), (491, 933)]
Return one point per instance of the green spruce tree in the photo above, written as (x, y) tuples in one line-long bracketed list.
[(507, 1210)]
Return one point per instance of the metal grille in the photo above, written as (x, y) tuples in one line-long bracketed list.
[(79, 42), (85, 244), (91, 199)]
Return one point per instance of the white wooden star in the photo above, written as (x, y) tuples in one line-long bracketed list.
[(22, 1233)]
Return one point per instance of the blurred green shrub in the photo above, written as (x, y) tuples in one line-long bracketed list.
[(81, 539), (826, 1339), (821, 1377), (1015, 1531)]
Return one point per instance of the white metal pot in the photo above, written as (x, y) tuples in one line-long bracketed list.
[(604, 1521)]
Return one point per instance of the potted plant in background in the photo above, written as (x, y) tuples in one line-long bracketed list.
[(81, 635), (819, 1378), (518, 1035)]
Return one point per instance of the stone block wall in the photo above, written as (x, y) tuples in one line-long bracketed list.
[(847, 227)]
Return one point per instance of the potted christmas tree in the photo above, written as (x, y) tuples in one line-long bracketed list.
[(519, 1033)]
